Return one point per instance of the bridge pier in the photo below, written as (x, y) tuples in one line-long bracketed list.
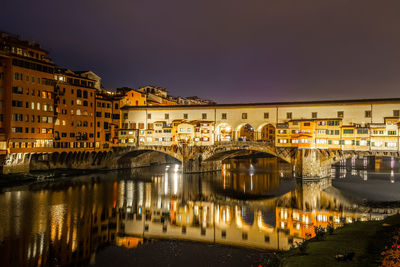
[(312, 163)]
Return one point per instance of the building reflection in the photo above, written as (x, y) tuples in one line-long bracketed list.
[(65, 223)]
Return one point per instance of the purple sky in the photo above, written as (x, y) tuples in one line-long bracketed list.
[(226, 50)]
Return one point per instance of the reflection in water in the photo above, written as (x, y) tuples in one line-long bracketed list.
[(252, 203)]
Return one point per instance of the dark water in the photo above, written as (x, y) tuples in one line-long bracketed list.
[(135, 217)]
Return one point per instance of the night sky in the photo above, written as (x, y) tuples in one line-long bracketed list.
[(227, 50)]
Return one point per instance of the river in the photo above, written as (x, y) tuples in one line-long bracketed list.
[(157, 215)]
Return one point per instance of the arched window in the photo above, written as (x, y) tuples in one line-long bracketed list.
[(85, 124), (79, 93), (78, 112), (78, 123), (57, 122)]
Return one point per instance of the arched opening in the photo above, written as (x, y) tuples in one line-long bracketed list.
[(245, 133), (224, 133), (267, 133)]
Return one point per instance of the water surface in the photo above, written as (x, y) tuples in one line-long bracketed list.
[(251, 203)]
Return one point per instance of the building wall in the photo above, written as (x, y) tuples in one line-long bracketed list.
[(334, 125), (74, 125)]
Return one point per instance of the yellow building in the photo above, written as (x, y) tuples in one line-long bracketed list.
[(283, 136)]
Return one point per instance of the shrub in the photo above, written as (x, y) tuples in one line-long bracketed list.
[(319, 233), (330, 229), (303, 247), (274, 260)]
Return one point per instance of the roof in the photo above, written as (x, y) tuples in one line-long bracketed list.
[(275, 104)]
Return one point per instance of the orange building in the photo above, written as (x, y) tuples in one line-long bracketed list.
[(107, 119), (74, 110), (133, 98), (26, 95)]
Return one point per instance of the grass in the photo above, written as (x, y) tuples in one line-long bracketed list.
[(365, 239)]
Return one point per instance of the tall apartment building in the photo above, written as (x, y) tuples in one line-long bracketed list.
[(74, 126), (26, 96), (107, 119)]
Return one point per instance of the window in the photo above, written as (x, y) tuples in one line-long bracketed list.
[(18, 76), (107, 115), (17, 90), (185, 116), (116, 105), (289, 115), (149, 116), (166, 116), (98, 114), (244, 236), (79, 93), (223, 116), (348, 131), (333, 123), (368, 114), (204, 116), (314, 115), (362, 131), (306, 124), (125, 116), (106, 125), (340, 114), (392, 132), (16, 103), (266, 115), (396, 113), (244, 116)]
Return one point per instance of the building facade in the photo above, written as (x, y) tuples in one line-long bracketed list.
[(347, 125)]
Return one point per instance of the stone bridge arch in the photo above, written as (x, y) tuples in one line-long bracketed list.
[(223, 151)]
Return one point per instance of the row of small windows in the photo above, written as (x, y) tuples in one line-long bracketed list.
[(39, 106), (32, 130), (31, 118), (32, 66), (73, 144), (340, 142), (79, 135), (289, 115), (42, 94)]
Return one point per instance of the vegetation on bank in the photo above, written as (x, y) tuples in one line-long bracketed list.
[(359, 244)]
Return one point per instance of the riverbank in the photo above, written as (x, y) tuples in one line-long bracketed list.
[(179, 253), (12, 180), (365, 239)]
